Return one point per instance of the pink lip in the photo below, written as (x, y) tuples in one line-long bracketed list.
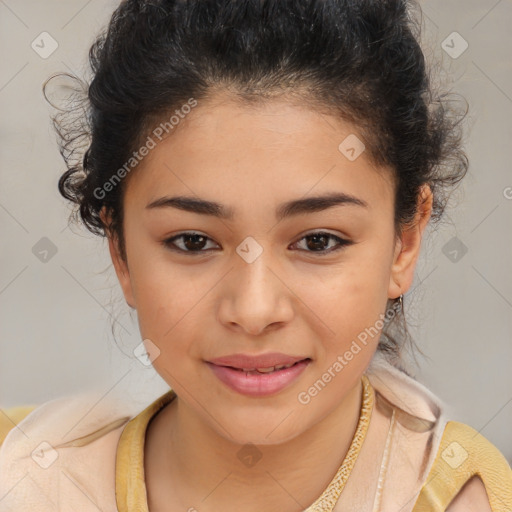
[(258, 384)]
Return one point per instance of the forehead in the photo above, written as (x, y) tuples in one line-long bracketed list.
[(272, 150)]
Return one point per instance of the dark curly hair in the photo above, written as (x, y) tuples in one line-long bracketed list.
[(359, 59)]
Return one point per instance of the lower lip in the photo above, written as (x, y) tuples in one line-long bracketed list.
[(262, 384)]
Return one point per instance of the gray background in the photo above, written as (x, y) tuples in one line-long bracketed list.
[(55, 316)]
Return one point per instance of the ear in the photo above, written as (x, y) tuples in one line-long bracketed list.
[(120, 265), (407, 248)]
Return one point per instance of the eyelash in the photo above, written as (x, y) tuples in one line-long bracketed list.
[(342, 243)]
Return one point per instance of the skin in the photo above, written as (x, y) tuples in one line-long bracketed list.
[(290, 299), (471, 498)]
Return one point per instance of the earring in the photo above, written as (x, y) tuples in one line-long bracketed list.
[(401, 301)]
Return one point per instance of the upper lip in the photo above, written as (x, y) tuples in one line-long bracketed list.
[(260, 361)]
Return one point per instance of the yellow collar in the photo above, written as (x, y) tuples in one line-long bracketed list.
[(130, 483)]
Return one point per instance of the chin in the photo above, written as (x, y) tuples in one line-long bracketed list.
[(275, 431)]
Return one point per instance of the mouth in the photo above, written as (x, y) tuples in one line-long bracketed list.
[(261, 381), (269, 369)]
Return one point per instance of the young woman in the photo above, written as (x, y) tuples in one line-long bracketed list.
[(264, 171)]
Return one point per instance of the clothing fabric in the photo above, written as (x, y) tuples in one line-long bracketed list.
[(63, 455)]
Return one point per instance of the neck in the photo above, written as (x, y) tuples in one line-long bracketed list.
[(210, 471)]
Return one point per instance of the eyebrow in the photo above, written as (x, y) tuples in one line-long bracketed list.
[(284, 210)]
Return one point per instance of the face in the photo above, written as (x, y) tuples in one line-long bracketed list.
[(310, 280)]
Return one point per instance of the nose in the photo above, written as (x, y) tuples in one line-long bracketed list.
[(256, 297)]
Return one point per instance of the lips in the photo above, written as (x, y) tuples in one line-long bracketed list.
[(263, 363), (262, 381)]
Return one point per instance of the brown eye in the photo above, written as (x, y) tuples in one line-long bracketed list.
[(319, 242), (191, 242)]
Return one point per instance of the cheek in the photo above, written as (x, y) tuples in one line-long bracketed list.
[(159, 307), (166, 324), (170, 309), (163, 311), (348, 303)]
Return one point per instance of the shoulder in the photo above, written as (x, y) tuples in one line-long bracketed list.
[(63, 420), (62, 451), (468, 472), (461, 469)]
